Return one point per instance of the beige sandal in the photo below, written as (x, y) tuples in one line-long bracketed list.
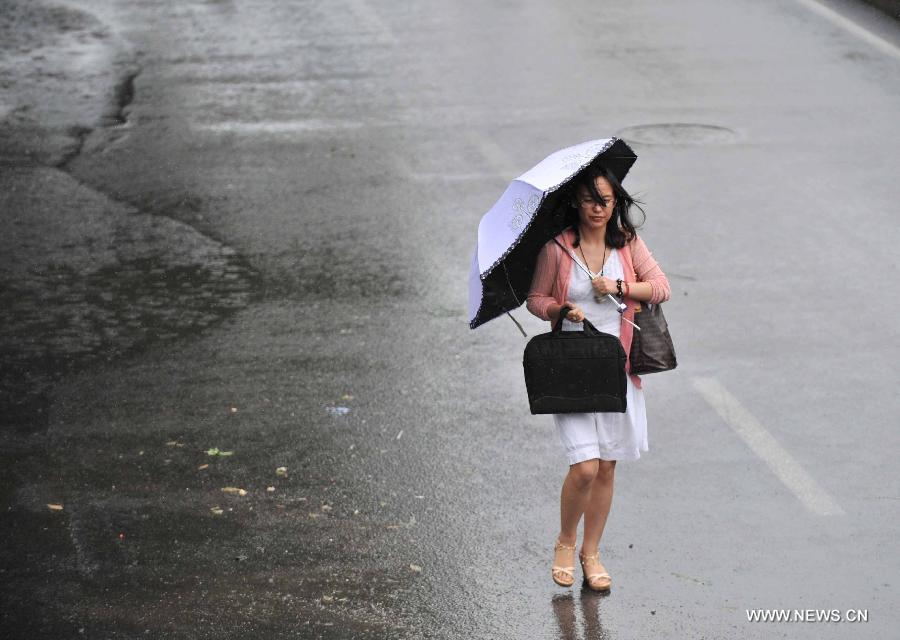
[(563, 576), (597, 579)]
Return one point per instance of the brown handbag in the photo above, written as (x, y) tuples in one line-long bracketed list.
[(652, 350)]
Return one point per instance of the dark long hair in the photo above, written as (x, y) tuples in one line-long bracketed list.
[(620, 229)]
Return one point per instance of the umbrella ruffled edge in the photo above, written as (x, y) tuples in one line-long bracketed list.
[(481, 276)]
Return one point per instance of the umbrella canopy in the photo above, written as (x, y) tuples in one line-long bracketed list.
[(527, 215)]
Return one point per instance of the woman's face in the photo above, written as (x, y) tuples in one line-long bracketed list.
[(594, 214)]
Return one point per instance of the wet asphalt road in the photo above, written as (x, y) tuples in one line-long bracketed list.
[(247, 226)]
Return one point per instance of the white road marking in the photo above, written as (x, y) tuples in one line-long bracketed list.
[(275, 126), (763, 444), (833, 16)]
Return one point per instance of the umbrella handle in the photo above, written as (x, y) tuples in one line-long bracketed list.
[(621, 307)]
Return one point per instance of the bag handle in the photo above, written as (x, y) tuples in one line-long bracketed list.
[(586, 326), (563, 310)]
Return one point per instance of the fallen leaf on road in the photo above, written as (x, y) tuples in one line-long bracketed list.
[(416, 568), (326, 507), (281, 472), (217, 511), (55, 507), (174, 443), (346, 396), (234, 491), (327, 598), (216, 452), (406, 525), (270, 489), (202, 466)]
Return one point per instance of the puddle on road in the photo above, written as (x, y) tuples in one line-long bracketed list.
[(60, 319), (330, 272)]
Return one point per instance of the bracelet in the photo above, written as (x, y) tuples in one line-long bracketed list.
[(619, 288)]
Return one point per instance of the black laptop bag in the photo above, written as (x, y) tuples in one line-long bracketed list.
[(575, 371)]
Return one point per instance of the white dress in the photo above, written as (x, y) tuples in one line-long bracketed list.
[(607, 436)]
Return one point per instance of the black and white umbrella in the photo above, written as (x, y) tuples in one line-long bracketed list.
[(528, 214)]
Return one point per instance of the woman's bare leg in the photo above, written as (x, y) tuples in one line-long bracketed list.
[(576, 491), (598, 504)]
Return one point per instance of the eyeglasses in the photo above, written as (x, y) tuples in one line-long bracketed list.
[(590, 202)]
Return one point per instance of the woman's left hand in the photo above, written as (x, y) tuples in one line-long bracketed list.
[(603, 285)]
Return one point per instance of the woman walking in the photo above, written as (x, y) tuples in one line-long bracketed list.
[(602, 238)]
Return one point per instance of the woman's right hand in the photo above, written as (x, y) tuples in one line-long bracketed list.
[(575, 314)]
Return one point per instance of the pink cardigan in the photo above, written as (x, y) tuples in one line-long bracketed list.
[(551, 282)]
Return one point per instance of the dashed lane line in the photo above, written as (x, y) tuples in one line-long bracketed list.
[(764, 445)]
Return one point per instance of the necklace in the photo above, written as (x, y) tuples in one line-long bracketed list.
[(602, 264), (597, 296)]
